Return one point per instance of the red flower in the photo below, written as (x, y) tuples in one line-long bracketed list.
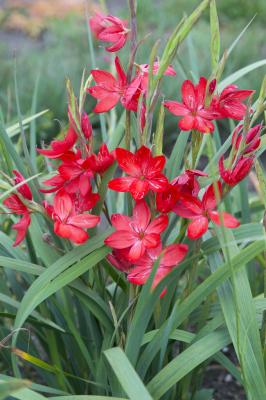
[(136, 234), (236, 173), (60, 147), (108, 90), (102, 161), (185, 183), (241, 155), (74, 175), (67, 223), (201, 211), (229, 102), (16, 206), (110, 29), (170, 257), (139, 85), (144, 172), (195, 114)]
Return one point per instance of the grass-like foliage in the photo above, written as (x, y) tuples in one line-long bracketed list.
[(128, 266)]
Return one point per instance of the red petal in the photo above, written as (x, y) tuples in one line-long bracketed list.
[(212, 196), (139, 188), (139, 275), (151, 240), (128, 162), (228, 220), (188, 94), (136, 251), (107, 103), (176, 108), (104, 78), (174, 254), (187, 123), (21, 228), (120, 239), (156, 165), (201, 90), (122, 184), (120, 72), (118, 45), (158, 183), (84, 220), (76, 235), (141, 215), (197, 228), (62, 205), (158, 225), (121, 222), (203, 125)]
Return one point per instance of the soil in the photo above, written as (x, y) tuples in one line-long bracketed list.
[(224, 385)]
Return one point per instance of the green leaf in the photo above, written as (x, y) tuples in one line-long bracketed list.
[(240, 315), (189, 359), (126, 375), (180, 33), (14, 129), (240, 73), (8, 388), (183, 310), (215, 35), (173, 166), (86, 397), (21, 266), (59, 275)]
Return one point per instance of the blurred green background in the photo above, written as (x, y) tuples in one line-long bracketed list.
[(49, 40)]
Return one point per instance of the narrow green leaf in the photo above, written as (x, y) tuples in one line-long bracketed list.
[(8, 388), (126, 375), (215, 35), (180, 366), (240, 73)]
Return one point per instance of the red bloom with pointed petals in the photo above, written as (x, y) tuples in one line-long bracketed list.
[(230, 102), (138, 86), (60, 147), (201, 211), (171, 256), (16, 206), (67, 223), (136, 233), (108, 89), (74, 175), (184, 184), (144, 172), (110, 29), (195, 114), (102, 161)]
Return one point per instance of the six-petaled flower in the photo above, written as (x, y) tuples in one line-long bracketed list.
[(138, 233), (144, 173)]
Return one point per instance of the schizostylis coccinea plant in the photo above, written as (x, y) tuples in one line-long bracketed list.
[(128, 267)]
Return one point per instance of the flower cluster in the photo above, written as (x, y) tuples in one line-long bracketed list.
[(137, 241)]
